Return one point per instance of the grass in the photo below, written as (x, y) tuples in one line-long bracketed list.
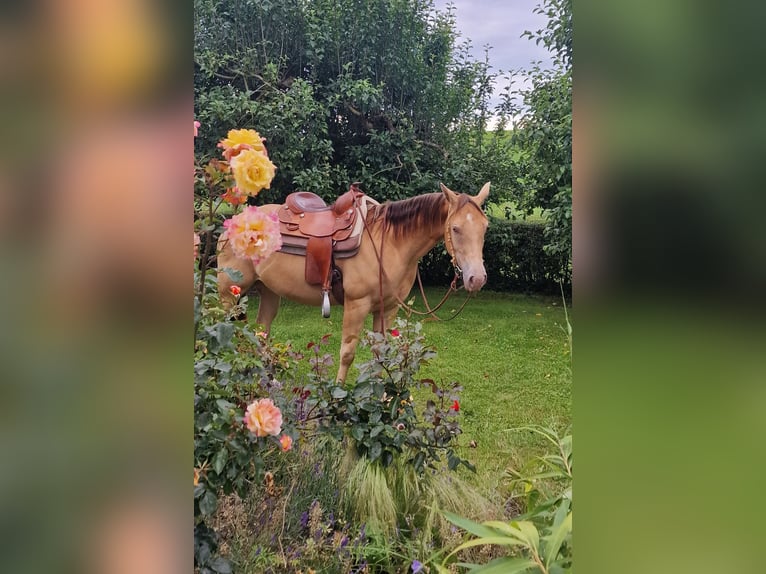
[(498, 210), (509, 351)]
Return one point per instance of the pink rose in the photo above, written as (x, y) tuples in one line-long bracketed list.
[(196, 127), (236, 290), (395, 332), (286, 442), (263, 418)]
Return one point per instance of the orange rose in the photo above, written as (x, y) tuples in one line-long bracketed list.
[(264, 418), (286, 442)]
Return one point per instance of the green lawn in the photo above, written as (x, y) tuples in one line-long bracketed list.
[(498, 210), (509, 351)]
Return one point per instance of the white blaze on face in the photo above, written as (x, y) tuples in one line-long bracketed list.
[(469, 217)]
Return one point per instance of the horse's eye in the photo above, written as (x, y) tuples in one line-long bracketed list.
[(455, 229)]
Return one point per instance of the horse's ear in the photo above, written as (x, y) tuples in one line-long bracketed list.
[(448, 193), (481, 197)]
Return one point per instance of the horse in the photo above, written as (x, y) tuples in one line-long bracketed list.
[(397, 234)]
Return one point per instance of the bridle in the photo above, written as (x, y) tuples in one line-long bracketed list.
[(448, 234), (449, 245)]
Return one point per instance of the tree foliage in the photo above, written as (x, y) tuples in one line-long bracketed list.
[(544, 133), (377, 91), (386, 93)]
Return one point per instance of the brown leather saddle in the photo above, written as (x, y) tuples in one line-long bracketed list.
[(322, 233)]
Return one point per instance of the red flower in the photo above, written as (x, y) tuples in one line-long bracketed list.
[(235, 290), (455, 406), (394, 332)]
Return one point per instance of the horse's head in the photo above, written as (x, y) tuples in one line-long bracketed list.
[(464, 235)]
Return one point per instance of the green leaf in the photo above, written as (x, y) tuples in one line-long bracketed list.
[(233, 274), (222, 334), (530, 533), (357, 432), (376, 431), (556, 539), (375, 450), (505, 528), (339, 393), (469, 525), (561, 512), (504, 565), (224, 406), (219, 461), (221, 565), (208, 503), (484, 540)]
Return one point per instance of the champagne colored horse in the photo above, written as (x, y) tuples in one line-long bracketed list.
[(402, 231)]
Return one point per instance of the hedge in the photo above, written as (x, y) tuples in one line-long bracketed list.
[(513, 257)]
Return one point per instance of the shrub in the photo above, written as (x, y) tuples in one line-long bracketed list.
[(540, 540), (514, 258)]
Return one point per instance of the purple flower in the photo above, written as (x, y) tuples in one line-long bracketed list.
[(304, 519), (416, 566)]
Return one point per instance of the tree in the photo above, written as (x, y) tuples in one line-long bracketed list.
[(376, 91), (544, 133)]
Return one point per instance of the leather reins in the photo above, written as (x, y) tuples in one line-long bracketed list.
[(452, 288)]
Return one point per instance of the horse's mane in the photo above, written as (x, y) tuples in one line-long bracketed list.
[(407, 215)]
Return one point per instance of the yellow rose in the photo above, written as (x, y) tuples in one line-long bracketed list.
[(248, 137), (252, 171)]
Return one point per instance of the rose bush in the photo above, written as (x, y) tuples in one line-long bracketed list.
[(252, 404)]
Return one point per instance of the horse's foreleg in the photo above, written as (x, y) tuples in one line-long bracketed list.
[(225, 282), (228, 299), (389, 315), (268, 306), (354, 313)]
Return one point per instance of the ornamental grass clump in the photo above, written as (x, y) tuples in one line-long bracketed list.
[(393, 473)]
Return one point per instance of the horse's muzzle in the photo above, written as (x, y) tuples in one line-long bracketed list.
[(474, 279)]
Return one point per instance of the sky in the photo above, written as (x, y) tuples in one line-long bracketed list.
[(500, 23)]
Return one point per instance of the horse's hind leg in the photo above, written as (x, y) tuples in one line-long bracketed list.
[(268, 306), (354, 313)]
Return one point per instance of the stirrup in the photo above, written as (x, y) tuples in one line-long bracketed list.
[(325, 304)]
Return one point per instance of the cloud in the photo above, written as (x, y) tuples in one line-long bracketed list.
[(500, 24)]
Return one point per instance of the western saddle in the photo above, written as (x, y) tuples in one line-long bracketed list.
[(322, 233)]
